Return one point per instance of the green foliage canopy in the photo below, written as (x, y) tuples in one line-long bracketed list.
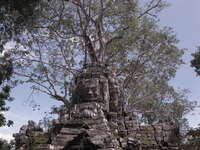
[(14, 19), (120, 33), (196, 61)]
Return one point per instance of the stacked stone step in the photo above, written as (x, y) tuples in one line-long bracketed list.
[(97, 136), (89, 120), (64, 136), (42, 147)]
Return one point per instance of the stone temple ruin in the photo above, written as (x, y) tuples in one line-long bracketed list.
[(96, 121)]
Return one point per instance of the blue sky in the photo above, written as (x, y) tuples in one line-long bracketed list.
[(182, 16)]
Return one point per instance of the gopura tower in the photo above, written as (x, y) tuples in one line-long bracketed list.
[(97, 120), (95, 103)]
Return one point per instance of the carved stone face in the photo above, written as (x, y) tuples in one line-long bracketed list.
[(93, 89), (98, 88), (89, 90)]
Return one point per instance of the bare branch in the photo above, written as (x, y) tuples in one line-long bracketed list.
[(136, 65), (45, 71), (150, 8), (90, 49), (61, 98), (31, 79), (101, 40), (117, 37), (63, 67)]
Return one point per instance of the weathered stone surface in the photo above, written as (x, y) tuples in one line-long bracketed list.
[(30, 136), (96, 121)]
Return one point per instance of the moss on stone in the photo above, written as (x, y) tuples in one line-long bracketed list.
[(145, 140), (41, 139)]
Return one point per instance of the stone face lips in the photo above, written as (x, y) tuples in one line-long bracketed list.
[(96, 121)]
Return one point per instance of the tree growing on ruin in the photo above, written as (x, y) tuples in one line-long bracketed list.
[(122, 34)]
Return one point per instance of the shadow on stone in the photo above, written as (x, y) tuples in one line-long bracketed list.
[(81, 142)]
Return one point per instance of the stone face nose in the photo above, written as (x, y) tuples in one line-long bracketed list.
[(90, 92)]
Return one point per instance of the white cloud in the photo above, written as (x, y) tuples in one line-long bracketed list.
[(7, 137)]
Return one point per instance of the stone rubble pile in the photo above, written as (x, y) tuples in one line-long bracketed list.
[(31, 136)]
